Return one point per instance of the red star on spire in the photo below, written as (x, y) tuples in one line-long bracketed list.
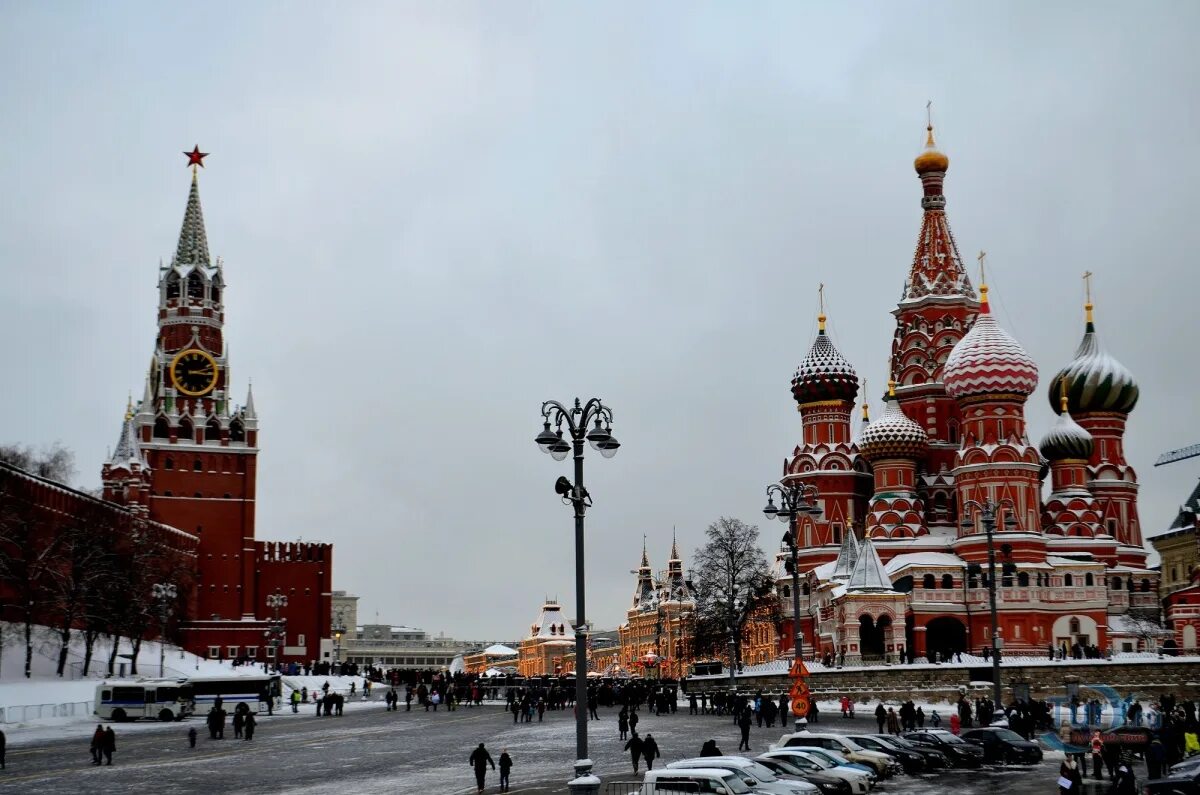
[(196, 157)]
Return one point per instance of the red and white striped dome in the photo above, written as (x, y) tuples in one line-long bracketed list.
[(988, 361)]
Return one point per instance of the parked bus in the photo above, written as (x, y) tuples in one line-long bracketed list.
[(254, 691), (158, 699)]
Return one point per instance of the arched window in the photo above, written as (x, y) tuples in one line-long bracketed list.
[(212, 431), (1116, 583), (1145, 586), (1073, 626), (837, 532), (952, 432), (186, 432), (929, 583), (169, 463), (173, 285), (214, 290), (195, 286), (947, 581), (787, 592), (1068, 580), (1088, 579), (237, 431), (161, 429), (197, 465), (1023, 579), (804, 589)]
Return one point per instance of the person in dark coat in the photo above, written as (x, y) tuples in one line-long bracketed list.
[(1156, 758), (249, 725), (110, 745), (1125, 783), (633, 721), (239, 721), (192, 737), (744, 724), (634, 747), (880, 717), (480, 759), (97, 744), (650, 751), (623, 724), (505, 769), (1069, 771), (710, 749)]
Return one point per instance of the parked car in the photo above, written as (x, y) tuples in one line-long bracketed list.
[(1184, 784), (1004, 746), (934, 759), (757, 777), (861, 778), (911, 761), (960, 752), (860, 782), (883, 765), (829, 785), (707, 780)]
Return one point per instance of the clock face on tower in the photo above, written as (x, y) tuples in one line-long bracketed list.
[(194, 372)]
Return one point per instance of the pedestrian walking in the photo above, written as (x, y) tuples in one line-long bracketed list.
[(633, 721), (192, 737), (250, 723), (110, 745), (650, 751), (623, 723), (893, 722), (634, 747), (710, 749), (480, 759), (935, 720), (744, 724), (920, 718), (239, 721), (1097, 755), (98, 744), (295, 701), (1125, 783), (880, 717), (505, 769)]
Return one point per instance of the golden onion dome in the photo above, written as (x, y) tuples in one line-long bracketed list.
[(931, 159)]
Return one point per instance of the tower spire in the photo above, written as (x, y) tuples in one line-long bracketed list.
[(192, 248), (984, 307), (674, 545), (821, 305), (1088, 306)]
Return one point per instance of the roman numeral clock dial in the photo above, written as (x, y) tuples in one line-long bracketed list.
[(194, 372)]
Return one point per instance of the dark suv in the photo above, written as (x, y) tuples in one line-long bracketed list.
[(960, 752), (1004, 746)]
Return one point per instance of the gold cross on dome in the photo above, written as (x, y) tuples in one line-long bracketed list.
[(929, 113), (821, 296), (982, 273), (1087, 284)]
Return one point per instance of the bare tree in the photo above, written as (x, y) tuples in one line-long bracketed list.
[(82, 572), (55, 462), (732, 581)]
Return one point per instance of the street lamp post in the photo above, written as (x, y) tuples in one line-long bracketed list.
[(278, 627), (795, 499), (576, 420), (339, 630), (164, 595), (986, 512)]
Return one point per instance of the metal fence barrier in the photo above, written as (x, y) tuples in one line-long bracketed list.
[(32, 712)]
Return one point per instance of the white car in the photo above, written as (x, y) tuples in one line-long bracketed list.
[(884, 765), (758, 778), (860, 782), (717, 781)]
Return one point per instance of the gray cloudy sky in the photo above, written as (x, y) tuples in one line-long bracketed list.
[(436, 215)]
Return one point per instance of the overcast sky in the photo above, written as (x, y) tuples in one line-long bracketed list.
[(434, 216)]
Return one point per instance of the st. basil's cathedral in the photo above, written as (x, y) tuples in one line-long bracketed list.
[(896, 563)]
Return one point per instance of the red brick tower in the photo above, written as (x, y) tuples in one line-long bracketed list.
[(824, 387), (201, 449), (937, 309), (894, 444)]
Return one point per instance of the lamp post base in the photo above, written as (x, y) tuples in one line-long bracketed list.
[(584, 782)]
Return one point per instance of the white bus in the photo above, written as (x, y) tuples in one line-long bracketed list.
[(254, 691), (158, 699)]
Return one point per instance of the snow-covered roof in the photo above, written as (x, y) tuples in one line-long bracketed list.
[(1058, 560), (550, 622), (868, 574), (499, 650), (1123, 624), (847, 556), (915, 559)]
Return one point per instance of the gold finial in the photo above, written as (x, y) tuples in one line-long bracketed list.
[(821, 304), (1062, 401), (929, 123), (129, 406), (891, 387), (983, 288), (866, 402), (1087, 288)]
